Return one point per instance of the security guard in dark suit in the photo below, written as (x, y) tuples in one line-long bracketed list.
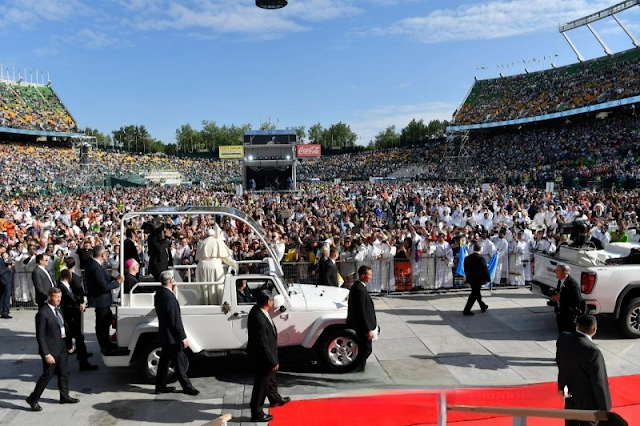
[(262, 349), (361, 316), (477, 274), (53, 348), (171, 336), (568, 299), (582, 370)]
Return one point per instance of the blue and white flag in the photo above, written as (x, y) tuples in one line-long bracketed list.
[(461, 256), (492, 265)]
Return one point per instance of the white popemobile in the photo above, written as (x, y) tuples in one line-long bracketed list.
[(216, 324)]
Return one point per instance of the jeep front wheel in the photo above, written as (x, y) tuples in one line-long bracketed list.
[(629, 320), (340, 350), (148, 364)]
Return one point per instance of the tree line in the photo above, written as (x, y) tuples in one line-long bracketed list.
[(136, 138)]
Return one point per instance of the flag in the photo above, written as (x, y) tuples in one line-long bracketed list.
[(493, 263), (461, 256)]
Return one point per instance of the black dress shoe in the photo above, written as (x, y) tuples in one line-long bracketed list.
[(467, 313), (191, 391), (262, 418), (283, 401), (166, 389), (68, 400), (484, 308), (88, 367), (6, 317), (34, 405)]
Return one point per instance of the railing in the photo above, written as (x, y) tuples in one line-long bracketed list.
[(521, 414), (426, 273)]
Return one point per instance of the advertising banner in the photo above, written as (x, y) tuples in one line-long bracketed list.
[(309, 150), (231, 152)]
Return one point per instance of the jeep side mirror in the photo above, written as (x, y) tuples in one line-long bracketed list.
[(278, 302)]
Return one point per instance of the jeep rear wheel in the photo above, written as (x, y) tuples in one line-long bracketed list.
[(629, 320), (148, 364), (340, 350)]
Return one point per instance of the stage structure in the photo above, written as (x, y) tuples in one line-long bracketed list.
[(456, 162), (269, 162), (91, 175), (588, 20)]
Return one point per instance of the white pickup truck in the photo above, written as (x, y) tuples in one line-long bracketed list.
[(216, 323), (609, 279)]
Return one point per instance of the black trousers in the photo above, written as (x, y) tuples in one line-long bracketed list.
[(61, 368), (565, 322), (365, 348), (174, 354), (103, 322), (264, 386), (74, 331), (5, 297), (473, 297)]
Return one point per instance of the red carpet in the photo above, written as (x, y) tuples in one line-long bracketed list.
[(420, 408)]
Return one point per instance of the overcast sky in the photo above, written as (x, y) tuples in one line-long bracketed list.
[(367, 63)]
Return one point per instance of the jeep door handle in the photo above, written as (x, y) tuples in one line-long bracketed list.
[(284, 316), (237, 314)]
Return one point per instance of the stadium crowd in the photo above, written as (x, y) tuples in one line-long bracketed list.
[(33, 107), (555, 90)]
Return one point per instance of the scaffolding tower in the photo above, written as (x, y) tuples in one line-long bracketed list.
[(89, 175), (456, 161)]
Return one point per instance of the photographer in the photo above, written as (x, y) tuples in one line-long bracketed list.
[(159, 244), (567, 298)]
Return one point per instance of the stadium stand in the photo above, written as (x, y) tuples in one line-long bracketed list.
[(534, 94), (33, 107)]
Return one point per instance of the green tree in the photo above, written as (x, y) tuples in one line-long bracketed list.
[(338, 136), (387, 138), (315, 133), (300, 133), (187, 139), (171, 149), (414, 133), (102, 140), (267, 125)]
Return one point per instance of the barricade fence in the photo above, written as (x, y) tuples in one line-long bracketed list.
[(424, 273)]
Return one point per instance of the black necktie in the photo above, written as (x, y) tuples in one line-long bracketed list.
[(559, 285), (59, 317)]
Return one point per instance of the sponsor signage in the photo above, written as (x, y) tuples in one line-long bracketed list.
[(308, 150), (231, 152)]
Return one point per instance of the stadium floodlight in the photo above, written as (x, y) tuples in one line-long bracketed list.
[(271, 4)]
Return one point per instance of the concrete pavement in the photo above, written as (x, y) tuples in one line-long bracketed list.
[(425, 343)]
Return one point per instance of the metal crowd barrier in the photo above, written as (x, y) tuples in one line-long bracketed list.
[(426, 273)]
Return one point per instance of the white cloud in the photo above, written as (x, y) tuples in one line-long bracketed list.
[(489, 20), (367, 124), (29, 13)]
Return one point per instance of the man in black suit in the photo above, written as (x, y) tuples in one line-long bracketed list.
[(73, 304), (243, 293), (262, 349), (581, 370), (6, 286), (42, 281), (52, 347), (159, 257), (477, 274), (361, 316), (568, 299), (171, 336), (331, 269), (129, 246), (99, 286)]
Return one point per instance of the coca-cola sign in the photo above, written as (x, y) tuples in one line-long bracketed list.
[(310, 150)]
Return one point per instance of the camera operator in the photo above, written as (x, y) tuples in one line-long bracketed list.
[(159, 244)]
